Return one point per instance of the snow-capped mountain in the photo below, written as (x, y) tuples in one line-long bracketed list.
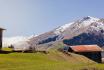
[(80, 26), (84, 22), (68, 31), (88, 30)]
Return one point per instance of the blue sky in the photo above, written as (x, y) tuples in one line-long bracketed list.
[(28, 17)]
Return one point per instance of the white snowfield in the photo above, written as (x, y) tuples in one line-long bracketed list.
[(88, 20), (62, 28)]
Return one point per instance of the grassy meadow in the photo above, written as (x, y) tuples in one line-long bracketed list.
[(54, 60)]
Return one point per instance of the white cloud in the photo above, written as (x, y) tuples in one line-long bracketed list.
[(12, 40)]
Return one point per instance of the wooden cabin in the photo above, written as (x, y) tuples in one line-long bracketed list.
[(1, 34), (93, 52)]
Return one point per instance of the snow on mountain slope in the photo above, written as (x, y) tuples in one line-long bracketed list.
[(86, 21), (62, 28)]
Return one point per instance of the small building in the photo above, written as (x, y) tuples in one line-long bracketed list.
[(1, 33), (93, 52)]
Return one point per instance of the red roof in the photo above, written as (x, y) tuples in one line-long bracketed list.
[(86, 48)]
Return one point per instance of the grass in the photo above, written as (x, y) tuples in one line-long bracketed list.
[(39, 61)]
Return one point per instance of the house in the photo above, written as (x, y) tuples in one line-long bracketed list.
[(1, 33), (93, 52)]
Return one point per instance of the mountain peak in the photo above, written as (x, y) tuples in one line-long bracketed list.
[(90, 18), (85, 20)]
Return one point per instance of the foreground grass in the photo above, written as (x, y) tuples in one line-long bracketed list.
[(39, 61)]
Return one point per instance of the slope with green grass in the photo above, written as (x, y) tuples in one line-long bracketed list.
[(54, 60)]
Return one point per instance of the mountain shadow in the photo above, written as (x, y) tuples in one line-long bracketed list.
[(86, 39)]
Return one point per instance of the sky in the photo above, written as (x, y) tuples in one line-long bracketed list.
[(33, 17)]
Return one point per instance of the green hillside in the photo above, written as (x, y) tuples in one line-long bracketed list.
[(54, 60)]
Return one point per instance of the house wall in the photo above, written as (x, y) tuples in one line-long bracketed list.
[(0, 39), (102, 54), (70, 50), (95, 56), (67, 49)]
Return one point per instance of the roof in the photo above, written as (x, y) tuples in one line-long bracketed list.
[(86, 48), (2, 28)]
